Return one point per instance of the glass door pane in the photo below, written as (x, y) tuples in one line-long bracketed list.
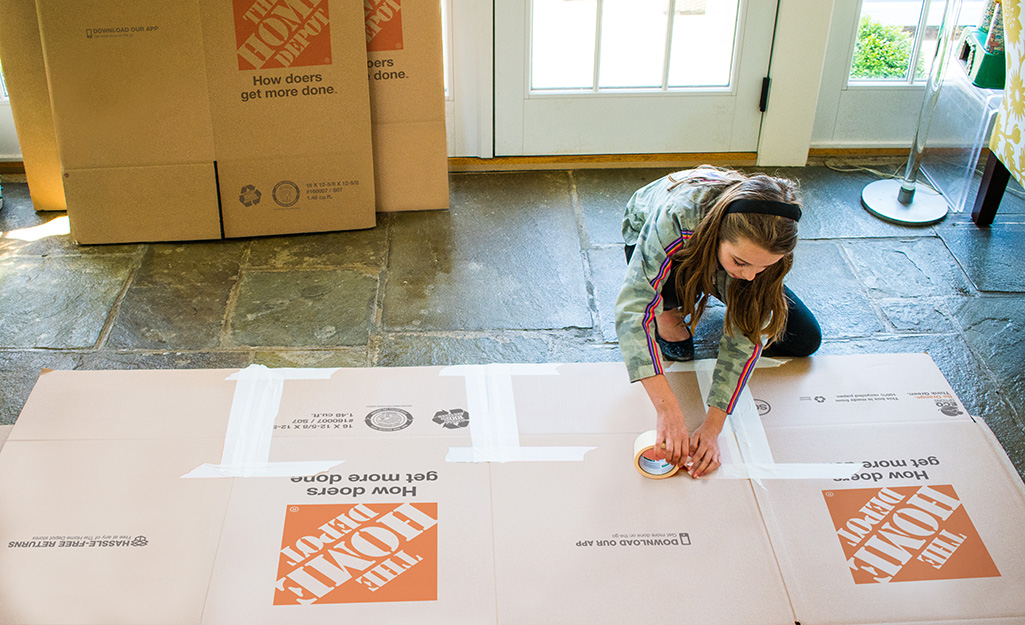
[(703, 43), (562, 44), (633, 43)]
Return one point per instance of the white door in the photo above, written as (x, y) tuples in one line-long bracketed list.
[(621, 77)]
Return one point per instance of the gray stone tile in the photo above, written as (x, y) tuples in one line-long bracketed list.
[(832, 205), (428, 349), (361, 248), (171, 316), (991, 256), (303, 308), (575, 349), (505, 256), (113, 359), (907, 268), (994, 327), (21, 369), (58, 302), (822, 279), (339, 357), (923, 315), (603, 194), (608, 267), (186, 264)]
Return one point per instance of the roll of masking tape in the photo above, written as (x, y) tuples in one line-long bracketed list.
[(644, 458)]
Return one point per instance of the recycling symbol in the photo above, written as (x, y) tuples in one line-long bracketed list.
[(452, 419), (249, 195)]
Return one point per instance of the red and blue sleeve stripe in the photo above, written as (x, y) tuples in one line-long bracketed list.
[(649, 312), (749, 366)]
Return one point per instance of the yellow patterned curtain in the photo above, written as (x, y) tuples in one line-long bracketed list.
[(1007, 141)]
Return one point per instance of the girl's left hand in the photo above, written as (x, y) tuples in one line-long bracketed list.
[(704, 449)]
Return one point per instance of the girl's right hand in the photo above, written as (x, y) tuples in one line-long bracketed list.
[(672, 440)]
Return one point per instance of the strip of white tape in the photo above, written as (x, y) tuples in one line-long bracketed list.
[(254, 409), (708, 363), (494, 431), (744, 435)]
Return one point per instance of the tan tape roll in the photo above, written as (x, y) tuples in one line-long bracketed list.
[(644, 459)]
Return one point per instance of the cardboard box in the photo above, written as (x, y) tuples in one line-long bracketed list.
[(407, 97), (91, 486), (172, 118), (25, 77)]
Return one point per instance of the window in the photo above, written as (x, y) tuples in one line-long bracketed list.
[(895, 36), (610, 45)]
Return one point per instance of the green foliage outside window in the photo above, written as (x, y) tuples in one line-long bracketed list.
[(881, 52)]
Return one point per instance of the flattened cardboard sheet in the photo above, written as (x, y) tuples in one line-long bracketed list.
[(589, 542), (930, 531), (871, 388), (95, 459), (127, 405), (392, 531), (106, 531)]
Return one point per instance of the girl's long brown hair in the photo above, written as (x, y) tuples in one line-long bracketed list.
[(758, 307)]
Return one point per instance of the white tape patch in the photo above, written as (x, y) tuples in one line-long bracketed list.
[(745, 437), (494, 432), (254, 408)]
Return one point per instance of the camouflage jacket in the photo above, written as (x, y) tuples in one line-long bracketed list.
[(659, 220)]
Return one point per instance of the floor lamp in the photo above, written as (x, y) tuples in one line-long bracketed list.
[(906, 201)]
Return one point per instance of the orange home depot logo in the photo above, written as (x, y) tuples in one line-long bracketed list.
[(358, 553), (282, 33), (906, 534), (384, 25)]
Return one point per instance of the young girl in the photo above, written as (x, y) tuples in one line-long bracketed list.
[(700, 233)]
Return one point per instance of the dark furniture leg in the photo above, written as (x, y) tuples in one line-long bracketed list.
[(991, 190)]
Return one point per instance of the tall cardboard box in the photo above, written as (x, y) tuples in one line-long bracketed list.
[(291, 115), (25, 76), (132, 119), (173, 117), (407, 95)]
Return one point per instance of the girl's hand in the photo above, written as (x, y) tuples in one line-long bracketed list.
[(671, 438), (704, 445)]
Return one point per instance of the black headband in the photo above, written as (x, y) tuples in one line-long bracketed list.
[(765, 207)]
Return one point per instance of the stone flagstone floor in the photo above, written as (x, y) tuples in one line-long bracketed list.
[(524, 267)]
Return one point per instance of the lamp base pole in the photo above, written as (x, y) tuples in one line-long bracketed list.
[(925, 208)]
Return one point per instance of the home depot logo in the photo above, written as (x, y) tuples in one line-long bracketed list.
[(358, 553), (282, 33), (906, 534), (383, 20)]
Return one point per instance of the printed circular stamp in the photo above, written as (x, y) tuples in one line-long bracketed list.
[(389, 419), (286, 193)]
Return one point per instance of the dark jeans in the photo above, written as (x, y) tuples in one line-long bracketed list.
[(801, 337)]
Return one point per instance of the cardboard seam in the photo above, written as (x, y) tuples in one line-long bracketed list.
[(217, 551), (775, 552)]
